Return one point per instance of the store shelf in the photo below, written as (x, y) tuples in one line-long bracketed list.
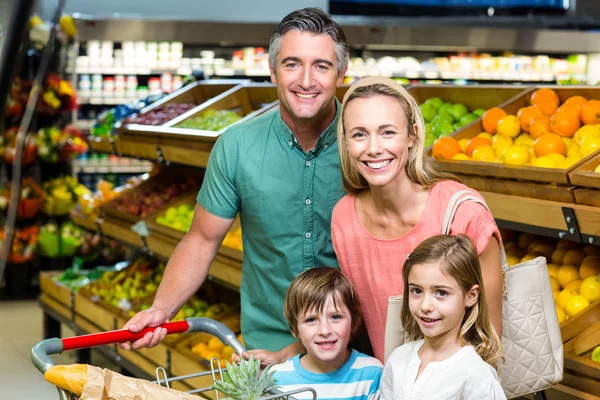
[(130, 71), (109, 101)]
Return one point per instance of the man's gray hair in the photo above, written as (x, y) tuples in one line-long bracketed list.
[(313, 20)]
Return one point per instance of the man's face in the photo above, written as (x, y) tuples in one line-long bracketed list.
[(306, 75)]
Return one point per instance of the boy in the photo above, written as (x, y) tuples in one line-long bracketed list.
[(323, 312)]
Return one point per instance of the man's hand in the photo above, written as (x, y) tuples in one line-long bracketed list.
[(148, 318), (266, 357)]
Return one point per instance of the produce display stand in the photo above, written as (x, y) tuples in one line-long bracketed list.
[(587, 182), (581, 373)]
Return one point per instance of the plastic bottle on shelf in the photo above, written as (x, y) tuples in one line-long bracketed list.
[(119, 86), (84, 87), (108, 87), (154, 85)]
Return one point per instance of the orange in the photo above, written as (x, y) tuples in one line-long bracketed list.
[(554, 283), (566, 244), (573, 285), (590, 112), (552, 270), (544, 94), (526, 116), (566, 274), (547, 107), (446, 148), (574, 257), (558, 256), (564, 123), (574, 108), (564, 297), (539, 126), (509, 126), (576, 100), (589, 267), (576, 305), (475, 143), (590, 288), (548, 143), (490, 119), (215, 344)]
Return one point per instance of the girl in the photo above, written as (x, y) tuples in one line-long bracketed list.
[(397, 198), (454, 349)]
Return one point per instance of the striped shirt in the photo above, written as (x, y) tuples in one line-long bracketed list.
[(357, 379)]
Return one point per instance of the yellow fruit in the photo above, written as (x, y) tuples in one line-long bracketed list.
[(500, 149), (200, 348), (541, 247), (596, 354), (483, 153), (499, 140), (554, 283), (589, 267), (569, 161), (555, 293), (574, 285), (560, 314), (590, 288), (525, 239), (509, 126), (513, 260), (574, 152), (516, 155), (574, 257), (461, 156), (525, 139), (559, 158), (486, 135), (240, 339), (576, 305), (552, 270), (512, 246), (558, 256), (215, 344), (597, 168), (566, 274), (585, 131), (568, 142), (67, 24), (463, 144), (589, 145), (545, 162), (566, 244), (530, 256), (564, 296), (209, 355), (227, 353), (590, 249)]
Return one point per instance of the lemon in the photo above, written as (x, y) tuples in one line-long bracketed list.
[(499, 140), (568, 142), (460, 156), (597, 168), (530, 256), (525, 139), (486, 135), (569, 161), (525, 239), (544, 162), (483, 153), (509, 126), (554, 283), (555, 293), (574, 285), (558, 256), (596, 355), (589, 145), (564, 296), (215, 344), (566, 274), (500, 149), (589, 267), (560, 314), (463, 144), (576, 305), (552, 270), (574, 152), (556, 157), (590, 288), (585, 131), (516, 155), (540, 246), (574, 257), (566, 244), (513, 260)]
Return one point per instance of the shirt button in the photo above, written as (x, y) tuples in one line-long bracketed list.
[(308, 234), (290, 143), (326, 146), (308, 163), (308, 201)]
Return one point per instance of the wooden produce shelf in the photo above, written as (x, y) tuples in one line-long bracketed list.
[(587, 182), (56, 295), (524, 173), (581, 373), (103, 144)]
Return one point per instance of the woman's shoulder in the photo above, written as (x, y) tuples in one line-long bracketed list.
[(343, 208)]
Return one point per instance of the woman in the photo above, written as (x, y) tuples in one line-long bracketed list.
[(397, 198)]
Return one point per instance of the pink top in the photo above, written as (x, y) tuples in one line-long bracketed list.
[(375, 265)]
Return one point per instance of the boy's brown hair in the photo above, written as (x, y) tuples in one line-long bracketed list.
[(311, 290)]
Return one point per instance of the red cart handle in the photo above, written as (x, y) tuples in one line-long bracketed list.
[(120, 336)]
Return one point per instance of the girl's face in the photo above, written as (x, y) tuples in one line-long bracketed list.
[(437, 302), (376, 131)]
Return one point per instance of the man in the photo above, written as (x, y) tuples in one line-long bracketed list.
[(281, 172)]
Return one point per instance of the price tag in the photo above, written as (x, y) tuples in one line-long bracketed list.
[(141, 229)]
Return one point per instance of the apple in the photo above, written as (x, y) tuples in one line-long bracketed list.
[(428, 111), (458, 111), (435, 102)]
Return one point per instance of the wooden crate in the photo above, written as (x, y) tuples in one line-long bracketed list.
[(581, 372), (584, 174), (525, 173), (56, 290), (102, 144), (588, 197), (157, 354), (543, 191), (97, 313), (580, 322), (155, 227), (85, 221)]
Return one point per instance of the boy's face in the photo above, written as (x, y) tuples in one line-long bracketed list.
[(325, 335)]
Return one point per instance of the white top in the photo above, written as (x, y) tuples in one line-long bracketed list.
[(464, 375)]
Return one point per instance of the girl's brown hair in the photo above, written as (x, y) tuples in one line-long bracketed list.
[(420, 168), (311, 290), (458, 258)]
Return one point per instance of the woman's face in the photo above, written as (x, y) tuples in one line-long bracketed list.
[(376, 131)]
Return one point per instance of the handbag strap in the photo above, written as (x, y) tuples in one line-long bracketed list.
[(455, 201)]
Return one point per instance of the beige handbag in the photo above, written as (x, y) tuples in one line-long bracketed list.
[(531, 343)]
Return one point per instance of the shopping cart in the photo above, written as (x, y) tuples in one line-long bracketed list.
[(40, 353)]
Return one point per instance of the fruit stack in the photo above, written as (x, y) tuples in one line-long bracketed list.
[(214, 348), (211, 120), (178, 218), (442, 119), (545, 134), (574, 269), (61, 194), (159, 115)]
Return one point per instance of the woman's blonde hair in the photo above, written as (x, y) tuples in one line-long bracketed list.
[(420, 168), (458, 258)]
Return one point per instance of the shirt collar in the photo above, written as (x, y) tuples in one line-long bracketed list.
[(327, 137)]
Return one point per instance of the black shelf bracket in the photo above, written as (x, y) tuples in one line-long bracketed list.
[(572, 232)]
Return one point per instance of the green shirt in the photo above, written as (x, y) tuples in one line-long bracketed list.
[(285, 197)]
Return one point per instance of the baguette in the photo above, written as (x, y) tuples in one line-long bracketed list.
[(69, 377)]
